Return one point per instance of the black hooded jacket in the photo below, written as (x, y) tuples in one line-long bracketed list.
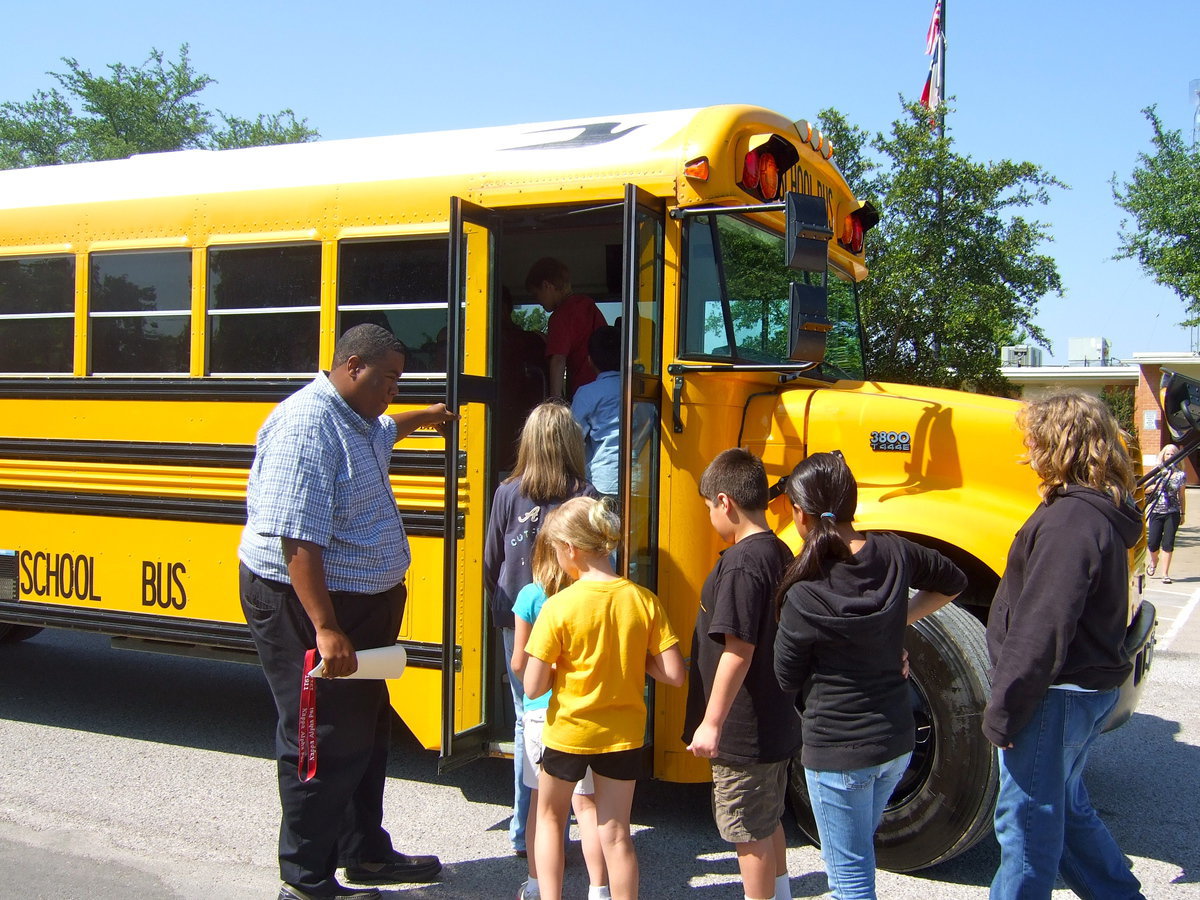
[(1062, 608), (839, 645)]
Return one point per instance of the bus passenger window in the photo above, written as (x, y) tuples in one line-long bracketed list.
[(140, 308), (263, 309), (37, 310), (401, 286)]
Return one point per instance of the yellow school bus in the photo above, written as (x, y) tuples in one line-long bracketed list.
[(153, 310)]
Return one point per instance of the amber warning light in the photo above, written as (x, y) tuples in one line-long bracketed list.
[(764, 167)]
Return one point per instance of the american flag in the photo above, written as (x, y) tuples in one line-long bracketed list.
[(931, 96), (935, 29), (935, 45)]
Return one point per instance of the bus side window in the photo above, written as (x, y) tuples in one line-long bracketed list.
[(263, 309), (37, 311), (139, 306), (399, 284)]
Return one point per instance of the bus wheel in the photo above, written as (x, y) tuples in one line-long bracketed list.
[(10, 634), (943, 805)]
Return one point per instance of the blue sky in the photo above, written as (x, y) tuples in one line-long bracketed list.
[(1058, 83)]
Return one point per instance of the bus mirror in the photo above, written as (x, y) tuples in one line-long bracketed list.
[(809, 321), (1181, 404), (806, 244)]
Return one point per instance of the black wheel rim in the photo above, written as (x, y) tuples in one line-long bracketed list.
[(925, 750)]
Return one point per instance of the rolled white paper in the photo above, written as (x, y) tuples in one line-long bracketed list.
[(376, 663)]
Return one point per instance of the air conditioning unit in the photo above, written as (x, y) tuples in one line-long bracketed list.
[(1020, 355), (1089, 351)]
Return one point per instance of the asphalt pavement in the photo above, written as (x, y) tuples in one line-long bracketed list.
[(136, 775)]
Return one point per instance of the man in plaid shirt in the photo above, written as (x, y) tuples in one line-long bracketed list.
[(323, 557)]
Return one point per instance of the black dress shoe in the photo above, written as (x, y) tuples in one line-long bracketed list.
[(399, 868), (340, 892)]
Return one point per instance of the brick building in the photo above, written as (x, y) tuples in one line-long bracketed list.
[(1141, 376)]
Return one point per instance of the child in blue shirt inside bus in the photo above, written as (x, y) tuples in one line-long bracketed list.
[(597, 409), (549, 579)]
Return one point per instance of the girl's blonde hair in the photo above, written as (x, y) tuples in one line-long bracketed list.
[(591, 525), (1074, 439), (550, 458), (547, 573)]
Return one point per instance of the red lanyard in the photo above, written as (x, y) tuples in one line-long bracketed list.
[(308, 719)]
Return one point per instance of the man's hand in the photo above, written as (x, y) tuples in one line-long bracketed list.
[(438, 415), (435, 416), (337, 653), (706, 740)]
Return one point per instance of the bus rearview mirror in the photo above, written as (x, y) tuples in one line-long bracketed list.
[(806, 240), (810, 324)]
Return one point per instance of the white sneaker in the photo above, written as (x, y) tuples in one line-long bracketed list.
[(522, 892)]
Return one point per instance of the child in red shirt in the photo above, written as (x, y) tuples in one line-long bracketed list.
[(573, 318)]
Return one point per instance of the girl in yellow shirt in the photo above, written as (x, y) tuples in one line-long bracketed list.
[(594, 645)]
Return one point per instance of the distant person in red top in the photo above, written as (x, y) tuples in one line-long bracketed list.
[(573, 318)]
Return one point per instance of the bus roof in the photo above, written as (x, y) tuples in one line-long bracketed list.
[(653, 142)]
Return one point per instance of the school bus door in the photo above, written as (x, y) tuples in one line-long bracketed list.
[(471, 390), (641, 383)]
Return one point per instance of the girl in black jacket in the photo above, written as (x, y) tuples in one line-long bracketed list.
[(843, 607)]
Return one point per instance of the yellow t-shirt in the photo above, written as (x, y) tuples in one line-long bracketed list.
[(598, 634)]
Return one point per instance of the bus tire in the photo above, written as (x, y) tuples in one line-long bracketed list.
[(11, 634), (943, 805)]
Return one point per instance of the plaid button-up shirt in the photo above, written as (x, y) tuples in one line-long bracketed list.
[(320, 475)]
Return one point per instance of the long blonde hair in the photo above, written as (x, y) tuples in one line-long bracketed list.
[(1074, 439), (547, 573), (584, 522), (550, 457)]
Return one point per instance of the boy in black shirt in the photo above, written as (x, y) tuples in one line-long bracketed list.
[(733, 676)]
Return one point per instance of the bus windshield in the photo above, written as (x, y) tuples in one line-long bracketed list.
[(737, 301)]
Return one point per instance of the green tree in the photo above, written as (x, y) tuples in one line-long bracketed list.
[(531, 318), (1120, 401), (1162, 199), (955, 269), (133, 109)]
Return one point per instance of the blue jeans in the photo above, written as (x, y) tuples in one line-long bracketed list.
[(516, 827), (1045, 822), (848, 807)]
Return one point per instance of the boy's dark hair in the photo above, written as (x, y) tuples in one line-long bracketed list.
[(604, 347), (548, 269), (739, 475)]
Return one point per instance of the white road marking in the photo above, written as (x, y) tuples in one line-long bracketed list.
[(1180, 621)]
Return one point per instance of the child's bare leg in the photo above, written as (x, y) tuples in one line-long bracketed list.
[(589, 838), (531, 833), (554, 804), (779, 840), (756, 862), (780, 843), (614, 799)]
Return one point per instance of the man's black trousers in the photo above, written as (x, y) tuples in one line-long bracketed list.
[(335, 818)]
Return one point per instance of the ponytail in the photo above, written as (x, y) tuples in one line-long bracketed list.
[(823, 487)]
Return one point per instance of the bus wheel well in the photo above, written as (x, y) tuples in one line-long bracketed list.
[(981, 580), (11, 633)]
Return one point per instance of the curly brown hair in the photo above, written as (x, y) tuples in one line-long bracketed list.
[(1074, 439)]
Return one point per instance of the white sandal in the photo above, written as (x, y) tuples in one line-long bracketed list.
[(1150, 570)]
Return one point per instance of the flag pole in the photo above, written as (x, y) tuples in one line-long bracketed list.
[(941, 115)]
